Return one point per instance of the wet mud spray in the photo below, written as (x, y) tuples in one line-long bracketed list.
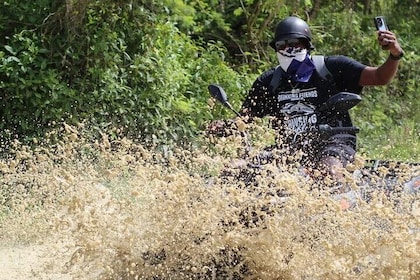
[(107, 209)]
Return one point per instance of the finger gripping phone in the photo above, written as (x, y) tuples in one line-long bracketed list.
[(380, 23)]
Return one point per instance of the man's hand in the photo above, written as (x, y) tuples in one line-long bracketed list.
[(383, 74), (388, 41)]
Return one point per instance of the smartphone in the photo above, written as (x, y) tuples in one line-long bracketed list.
[(380, 23)]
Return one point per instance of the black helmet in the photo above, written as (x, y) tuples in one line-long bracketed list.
[(292, 28)]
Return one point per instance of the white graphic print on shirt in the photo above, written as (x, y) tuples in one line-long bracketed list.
[(299, 114)]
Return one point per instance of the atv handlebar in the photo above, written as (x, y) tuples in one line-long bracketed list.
[(332, 130)]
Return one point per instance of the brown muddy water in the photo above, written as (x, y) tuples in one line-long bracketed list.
[(83, 209)]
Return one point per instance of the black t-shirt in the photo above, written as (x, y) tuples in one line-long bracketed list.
[(294, 103)]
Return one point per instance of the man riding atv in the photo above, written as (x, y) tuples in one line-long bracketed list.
[(292, 91)]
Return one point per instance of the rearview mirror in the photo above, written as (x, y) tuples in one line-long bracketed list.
[(342, 101)]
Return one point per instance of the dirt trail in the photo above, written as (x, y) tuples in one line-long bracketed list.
[(27, 262)]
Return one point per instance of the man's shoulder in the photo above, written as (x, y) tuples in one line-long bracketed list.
[(329, 64), (267, 75), (346, 72), (334, 61)]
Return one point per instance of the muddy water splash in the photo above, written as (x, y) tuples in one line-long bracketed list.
[(116, 210)]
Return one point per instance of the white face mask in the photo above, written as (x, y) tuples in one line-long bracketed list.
[(287, 55)]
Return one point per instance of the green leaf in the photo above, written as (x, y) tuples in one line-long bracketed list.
[(10, 49)]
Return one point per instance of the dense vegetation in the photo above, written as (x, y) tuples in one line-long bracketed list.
[(141, 67)]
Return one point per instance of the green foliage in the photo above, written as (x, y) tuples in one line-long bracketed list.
[(94, 61), (174, 75), (30, 89)]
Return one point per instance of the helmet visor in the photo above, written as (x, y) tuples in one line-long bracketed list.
[(282, 44), (292, 42)]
